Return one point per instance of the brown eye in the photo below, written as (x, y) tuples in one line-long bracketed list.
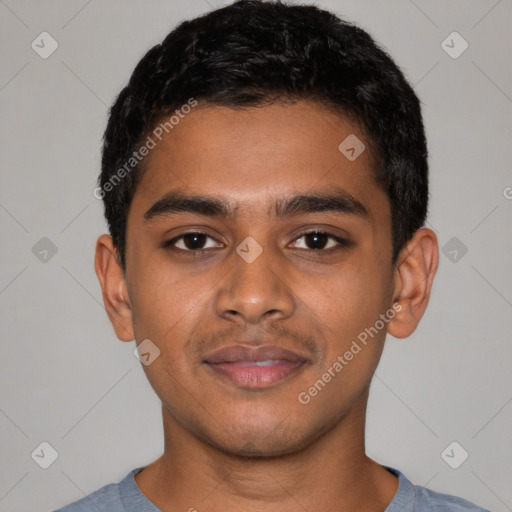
[(192, 241), (319, 241)]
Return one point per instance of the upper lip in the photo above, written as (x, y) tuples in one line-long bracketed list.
[(246, 353)]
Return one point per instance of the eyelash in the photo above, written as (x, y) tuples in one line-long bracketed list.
[(342, 243)]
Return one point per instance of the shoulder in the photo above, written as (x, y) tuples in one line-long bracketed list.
[(108, 497), (440, 502), (415, 498)]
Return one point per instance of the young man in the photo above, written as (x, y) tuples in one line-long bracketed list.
[(265, 183)]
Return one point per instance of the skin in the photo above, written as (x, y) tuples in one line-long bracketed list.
[(230, 448)]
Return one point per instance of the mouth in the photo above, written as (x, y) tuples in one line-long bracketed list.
[(254, 367)]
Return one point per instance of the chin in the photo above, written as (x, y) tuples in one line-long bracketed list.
[(256, 438), (258, 448)]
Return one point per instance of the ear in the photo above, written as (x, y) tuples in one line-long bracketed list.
[(413, 277), (113, 286)]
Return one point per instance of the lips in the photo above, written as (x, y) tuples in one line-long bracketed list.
[(254, 367)]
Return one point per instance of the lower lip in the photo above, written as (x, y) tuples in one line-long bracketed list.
[(249, 375)]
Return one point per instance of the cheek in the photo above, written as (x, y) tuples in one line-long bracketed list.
[(170, 312), (352, 346), (348, 310), (163, 304), (349, 300)]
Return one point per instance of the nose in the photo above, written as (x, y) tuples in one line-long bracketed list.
[(255, 291)]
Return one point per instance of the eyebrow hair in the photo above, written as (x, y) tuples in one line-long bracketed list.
[(337, 200)]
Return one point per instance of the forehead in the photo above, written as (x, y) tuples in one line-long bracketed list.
[(252, 156)]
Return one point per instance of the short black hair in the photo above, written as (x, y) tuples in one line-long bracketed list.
[(252, 53)]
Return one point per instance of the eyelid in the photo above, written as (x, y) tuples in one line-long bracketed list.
[(172, 241), (340, 241)]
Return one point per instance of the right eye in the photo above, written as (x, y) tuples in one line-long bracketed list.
[(193, 241)]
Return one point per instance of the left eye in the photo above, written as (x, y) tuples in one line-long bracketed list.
[(320, 241)]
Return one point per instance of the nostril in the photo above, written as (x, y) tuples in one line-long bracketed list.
[(232, 313)]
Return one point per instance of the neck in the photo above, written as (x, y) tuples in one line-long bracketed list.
[(331, 473)]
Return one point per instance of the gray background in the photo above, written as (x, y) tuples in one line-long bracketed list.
[(65, 377)]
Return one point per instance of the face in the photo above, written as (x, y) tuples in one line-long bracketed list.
[(254, 292)]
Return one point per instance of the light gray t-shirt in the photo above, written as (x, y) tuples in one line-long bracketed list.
[(127, 497)]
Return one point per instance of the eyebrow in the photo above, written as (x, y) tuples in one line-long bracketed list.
[(336, 201)]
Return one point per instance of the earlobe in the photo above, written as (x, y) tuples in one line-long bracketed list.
[(413, 278), (113, 287)]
